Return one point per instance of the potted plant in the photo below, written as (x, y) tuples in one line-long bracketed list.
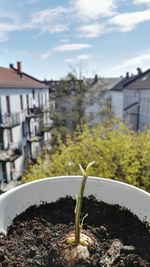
[(111, 223)]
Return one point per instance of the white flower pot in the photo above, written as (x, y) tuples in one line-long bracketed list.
[(17, 200)]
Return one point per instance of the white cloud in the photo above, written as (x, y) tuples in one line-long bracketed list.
[(47, 15), (64, 40), (141, 60), (9, 22), (23, 53), (93, 9), (128, 21), (141, 2), (79, 58), (49, 20), (91, 30), (22, 3), (45, 56), (6, 28), (56, 28), (18, 53), (3, 37), (33, 1), (71, 47), (45, 21)]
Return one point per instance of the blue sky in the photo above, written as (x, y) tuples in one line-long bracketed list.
[(53, 37)]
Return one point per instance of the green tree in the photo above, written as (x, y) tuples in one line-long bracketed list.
[(68, 105), (119, 153)]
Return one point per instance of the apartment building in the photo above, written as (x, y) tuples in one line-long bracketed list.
[(137, 102), (97, 99), (130, 100), (117, 95), (24, 120), (81, 101)]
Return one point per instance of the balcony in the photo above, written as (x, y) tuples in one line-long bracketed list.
[(47, 145), (37, 153), (35, 137), (47, 107), (34, 112), (13, 152), (46, 126), (8, 121), (16, 174)]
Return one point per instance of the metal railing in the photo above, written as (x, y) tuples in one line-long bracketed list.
[(12, 152), (46, 125), (9, 120), (16, 174), (34, 111), (37, 152)]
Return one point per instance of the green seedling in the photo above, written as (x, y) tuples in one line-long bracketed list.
[(79, 199), (79, 241)]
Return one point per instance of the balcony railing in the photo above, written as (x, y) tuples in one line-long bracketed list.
[(37, 152), (46, 126), (11, 153), (47, 146), (16, 174), (34, 112), (35, 137), (9, 120), (46, 107)]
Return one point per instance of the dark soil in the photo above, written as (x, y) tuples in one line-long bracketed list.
[(35, 238)]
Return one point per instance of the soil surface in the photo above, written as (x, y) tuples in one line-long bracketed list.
[(35, 237)]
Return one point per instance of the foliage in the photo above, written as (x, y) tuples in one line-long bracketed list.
[(118, 152)]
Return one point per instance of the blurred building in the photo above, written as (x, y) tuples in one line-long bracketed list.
[(24, 120)]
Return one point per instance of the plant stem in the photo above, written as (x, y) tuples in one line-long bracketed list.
[(78, 210), (79, 199)]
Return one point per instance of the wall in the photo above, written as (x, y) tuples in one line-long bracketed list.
[(131, 98), (144, 110), (117, 104)]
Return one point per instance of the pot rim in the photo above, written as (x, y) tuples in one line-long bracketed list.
[(105, 180), (37, 192)]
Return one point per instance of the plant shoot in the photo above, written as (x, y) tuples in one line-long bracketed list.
[(79, 199)]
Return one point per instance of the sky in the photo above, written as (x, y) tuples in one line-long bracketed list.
[(86, 37)]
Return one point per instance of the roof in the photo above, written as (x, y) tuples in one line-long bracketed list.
[(10, 78), (102, 83), (121, 84), (141, 82)]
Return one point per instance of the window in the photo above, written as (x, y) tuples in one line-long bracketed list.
[(33, 94), (13, 165), (45, 98), (4, 172), (108, 102), (1, 139), (63, 109), (8, 104), (21, 102), (39, 100), (23, 129), (27, 98), (10, 137), (42, 100)]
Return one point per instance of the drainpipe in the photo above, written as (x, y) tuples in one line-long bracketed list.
[(138, 111)]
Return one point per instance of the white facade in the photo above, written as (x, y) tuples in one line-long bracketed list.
[(137, 116), (131, 108), (144, 117), (117, 103), (24, 128)]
